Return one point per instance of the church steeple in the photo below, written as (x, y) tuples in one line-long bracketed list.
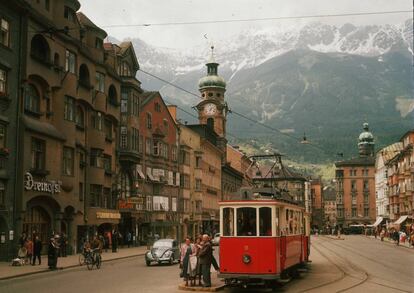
[(212, 80)]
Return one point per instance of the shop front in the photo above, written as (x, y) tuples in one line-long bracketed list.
[(132, 217), (99, 222), (4, 239)]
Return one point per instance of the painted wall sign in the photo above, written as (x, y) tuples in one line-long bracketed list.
[(44, 186)]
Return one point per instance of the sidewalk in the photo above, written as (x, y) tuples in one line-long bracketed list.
[(389, 241), (7, 271), (216, 285)]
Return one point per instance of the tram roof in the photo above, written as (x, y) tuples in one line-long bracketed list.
[(261, 194)]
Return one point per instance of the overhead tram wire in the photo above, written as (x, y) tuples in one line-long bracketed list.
[(220, 21), (239, 114)]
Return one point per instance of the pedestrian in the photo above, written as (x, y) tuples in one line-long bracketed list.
[(29, 248), (52, 254), (114, 240), (37, 250), (205, 257), (187, 249), (382, 234), (63, 245), (396, 237), (22, 239), (128, 239)]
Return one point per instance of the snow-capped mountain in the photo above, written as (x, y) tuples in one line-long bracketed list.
[(251, 48)]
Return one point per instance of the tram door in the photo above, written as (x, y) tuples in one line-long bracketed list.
[(283, 243)]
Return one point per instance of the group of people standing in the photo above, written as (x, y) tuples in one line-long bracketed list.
[(197, 259), (30, 250), (398, 236)]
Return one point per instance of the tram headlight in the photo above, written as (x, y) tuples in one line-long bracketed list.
[(247, 258)]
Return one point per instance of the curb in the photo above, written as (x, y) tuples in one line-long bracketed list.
[(391, 243), (183, 287), (63, 268)]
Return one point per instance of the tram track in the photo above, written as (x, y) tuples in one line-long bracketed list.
[(368, 276)]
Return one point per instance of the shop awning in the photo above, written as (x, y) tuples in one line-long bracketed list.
[(401, 220), (141, 174), (378, 221), (150, 177)]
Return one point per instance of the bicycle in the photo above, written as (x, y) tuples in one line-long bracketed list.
[(93, 258)]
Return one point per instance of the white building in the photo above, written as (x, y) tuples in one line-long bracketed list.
[(381, 176)]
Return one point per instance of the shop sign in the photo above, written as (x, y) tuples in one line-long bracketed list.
[(125, 205), (44, 186), (107, 215)]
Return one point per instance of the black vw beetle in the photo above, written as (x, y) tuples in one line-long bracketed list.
[(163, 250)]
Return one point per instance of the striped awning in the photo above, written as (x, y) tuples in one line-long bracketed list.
[(401, 220), (378, 221)]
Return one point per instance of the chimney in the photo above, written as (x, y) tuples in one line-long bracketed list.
[(173, 111)]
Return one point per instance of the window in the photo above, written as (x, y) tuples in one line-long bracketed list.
[(165, 123), (353, 185), (265, 221), (198, 162), (156, 148), (140, 143), (148, 203), (185, 181), (3, 135), (96, 158), (157, 107), (69, 14), (38, 154), (160, 203), (124, 185), (107, 164), (135, 105), (366, 197), (98, 43), (112, 95), (81, 191), (124, 69), (228, 222), (124, 106), (32, 99), (5, 32), (108, 129), (149, 121), (124, 137), (174, 153), (100, 82), (68, 161), (198, 184), (95, 195), (97, 120), (184, 157), (174, 204), (246, 222), (79, 117), (135, 139), (3, 82), (70, 62), (366, 185), (148, 146), (354, 212), (69, 110), (2, 193), (84, 79), (366, 212)]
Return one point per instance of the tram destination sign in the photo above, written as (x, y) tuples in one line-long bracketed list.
[(44, 186)]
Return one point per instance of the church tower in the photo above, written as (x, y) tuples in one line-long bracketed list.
[(212, 109), (366, 142)]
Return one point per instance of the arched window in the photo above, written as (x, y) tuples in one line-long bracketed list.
[(80, 117), (124, 185), (56, 60), (112, 95), (39, 48), (124, 69), (32, 99), (210, 123), (84, 79)]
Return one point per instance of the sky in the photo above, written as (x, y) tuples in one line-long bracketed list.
[(128, 12)]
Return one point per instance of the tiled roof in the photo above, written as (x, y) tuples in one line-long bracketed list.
[(85, 21), (389, 152)]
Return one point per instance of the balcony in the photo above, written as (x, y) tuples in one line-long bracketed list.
[(129, 155)]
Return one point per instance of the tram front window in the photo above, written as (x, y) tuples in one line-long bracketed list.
[(246, 222), (228, 222), (265, 221)]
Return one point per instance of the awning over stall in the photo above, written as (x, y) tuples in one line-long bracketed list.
[(378, 221), (401, 220)]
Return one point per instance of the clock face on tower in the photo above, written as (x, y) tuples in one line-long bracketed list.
[(210, 109)]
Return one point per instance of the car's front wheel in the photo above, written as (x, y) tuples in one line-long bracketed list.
[(171, 260)]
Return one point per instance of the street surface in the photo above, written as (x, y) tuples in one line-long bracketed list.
[(356, 264)]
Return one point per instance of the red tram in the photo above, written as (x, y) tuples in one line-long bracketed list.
[(264, 237)]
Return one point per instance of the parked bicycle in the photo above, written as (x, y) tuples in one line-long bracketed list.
[(93, 258)]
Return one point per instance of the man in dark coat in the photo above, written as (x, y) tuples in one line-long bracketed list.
[(37, 250), (52, 254), (205, 258), (114, 240)]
